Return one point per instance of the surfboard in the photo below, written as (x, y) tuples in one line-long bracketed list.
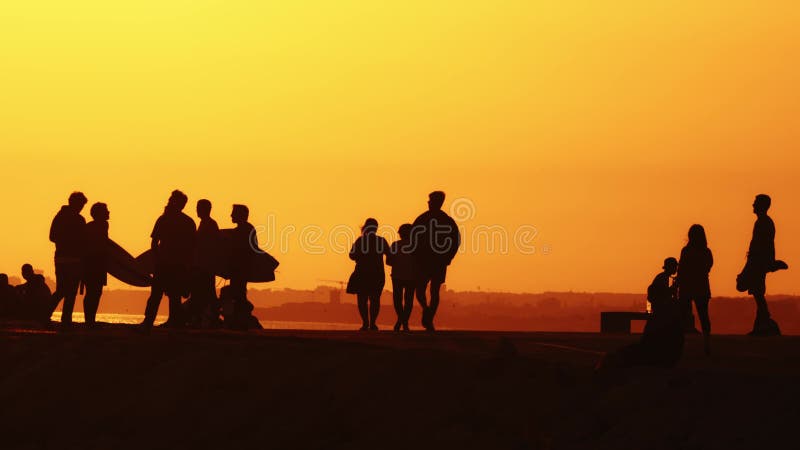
[(262, 265), (124, 267), (261, 268)]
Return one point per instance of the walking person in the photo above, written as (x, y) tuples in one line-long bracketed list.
[(368, 278), (436, 239), (173, 242), (68, 232), (692, 280), (95, 261), (404, 280)]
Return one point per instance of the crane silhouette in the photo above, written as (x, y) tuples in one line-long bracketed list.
[(335, 296), (342, 284)]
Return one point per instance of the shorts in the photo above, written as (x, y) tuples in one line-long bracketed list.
[(172, 280), (757, 283), (68, 278), (433, 274)]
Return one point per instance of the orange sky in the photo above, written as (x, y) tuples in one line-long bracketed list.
[(610, 127)]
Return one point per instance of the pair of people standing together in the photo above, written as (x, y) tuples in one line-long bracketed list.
[(80, 257), (419, 260)]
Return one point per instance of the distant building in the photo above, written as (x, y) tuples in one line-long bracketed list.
[(335, 296)]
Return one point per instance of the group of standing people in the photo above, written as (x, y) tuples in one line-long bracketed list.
[(419, 261), (185, 260), (685, 282)]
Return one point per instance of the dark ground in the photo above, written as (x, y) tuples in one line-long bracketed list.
[(115, 389)]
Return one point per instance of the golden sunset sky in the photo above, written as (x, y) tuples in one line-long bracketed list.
[(609, 126)]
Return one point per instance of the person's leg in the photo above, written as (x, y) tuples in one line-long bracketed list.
[(363, 310), (763, 317), (438, 276), (688, 317), (758, 290), (175, 312), (434, 304), (705, 322), (421, 290), (408, 306), (70, 292), (397, 299), (374, 309), (58, 294), (91, 301), (702, 313), (239, 295), (211, 312), (153, 302)]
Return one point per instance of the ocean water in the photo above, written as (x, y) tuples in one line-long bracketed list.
[(133, 319)]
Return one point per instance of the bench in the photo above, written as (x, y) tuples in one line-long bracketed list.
[(619, 321)]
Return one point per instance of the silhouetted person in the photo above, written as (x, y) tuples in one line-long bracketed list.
[(404, 279), (661, 343), (204, 309), (68, 233), (95, 261), (436, 239), (244, 244), (368, 278), (760, 261), (173, 242), (693, 285), (237, 314), (9, 299), (34, 294)]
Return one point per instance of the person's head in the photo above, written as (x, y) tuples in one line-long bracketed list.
[(761, 204), (203, 209), (27, 272), (77, 201), (405, 231), (240, 214), (370, 226), (435, 200), (177, 200), (3, 280), (670, 266), (99, 211), (697, 236)]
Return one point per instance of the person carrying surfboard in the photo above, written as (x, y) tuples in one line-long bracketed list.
[(95, 260), (67, 231), (243, 245), (173, 243)]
